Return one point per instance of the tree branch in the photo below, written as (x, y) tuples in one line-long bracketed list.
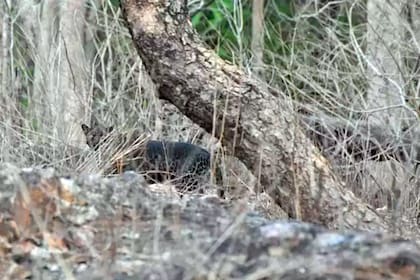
[(361, 141), (257, 127)]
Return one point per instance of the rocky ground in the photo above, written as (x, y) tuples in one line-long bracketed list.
[(89, 227)]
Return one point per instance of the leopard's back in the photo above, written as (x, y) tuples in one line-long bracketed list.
[(186, 162), (181, 162)]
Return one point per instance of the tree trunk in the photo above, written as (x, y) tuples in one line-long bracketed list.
[(384, 55), (7, 100), (60, 71), (257, 43), (385, 104), (74, 68), (258, 127), (44, 67)]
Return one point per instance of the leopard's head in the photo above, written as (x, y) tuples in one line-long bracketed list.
[(96, 135)]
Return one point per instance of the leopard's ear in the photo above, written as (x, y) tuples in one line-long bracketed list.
[(85, 128)]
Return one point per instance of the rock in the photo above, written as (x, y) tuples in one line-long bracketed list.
[(139, 233)]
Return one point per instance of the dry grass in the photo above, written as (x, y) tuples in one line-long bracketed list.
[(324, 72)]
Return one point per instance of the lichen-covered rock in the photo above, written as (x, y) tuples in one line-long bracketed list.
[(119, 228)]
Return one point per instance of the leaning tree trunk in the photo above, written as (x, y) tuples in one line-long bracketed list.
[(258, 127)]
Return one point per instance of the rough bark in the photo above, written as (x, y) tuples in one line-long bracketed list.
[(256, 126)]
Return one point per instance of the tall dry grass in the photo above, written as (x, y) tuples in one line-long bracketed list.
[(322, 70)]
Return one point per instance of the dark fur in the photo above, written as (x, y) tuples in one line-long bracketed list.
[(95, 135), (184, 163)]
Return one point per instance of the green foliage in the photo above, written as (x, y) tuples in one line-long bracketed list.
[(115, 3), (24, 102), (279, 26), (215, 25), (226, 26), (301, 42)]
